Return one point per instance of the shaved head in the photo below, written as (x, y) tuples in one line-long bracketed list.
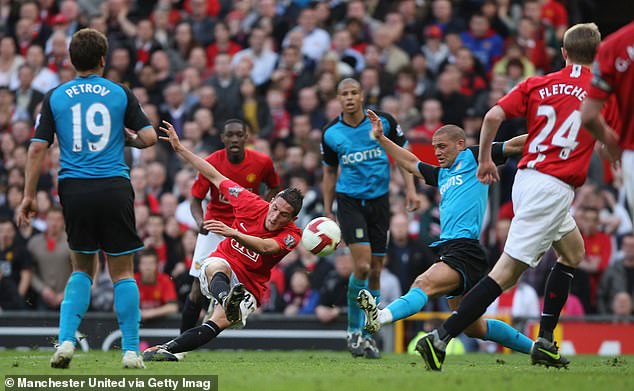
[(454, 132), (348, 81)]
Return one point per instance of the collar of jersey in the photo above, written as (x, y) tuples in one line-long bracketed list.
[(92, 75), (347, 124)]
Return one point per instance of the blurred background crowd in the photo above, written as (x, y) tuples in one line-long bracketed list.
[(276, 64)]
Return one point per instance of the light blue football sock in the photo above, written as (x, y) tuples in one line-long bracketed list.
[(376, 293), (126, 305), (505, 335), (408, 304), (74, 306), (355, 314)]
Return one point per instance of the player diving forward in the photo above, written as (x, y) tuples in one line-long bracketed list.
[(236, 273)]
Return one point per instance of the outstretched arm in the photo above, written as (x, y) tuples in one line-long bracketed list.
[(515, 146), (200, 164), (487, 170), (404, 158)]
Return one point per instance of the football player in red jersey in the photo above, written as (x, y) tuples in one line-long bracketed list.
[(247, 168), (235, 275), (555, 161), (614, 77)]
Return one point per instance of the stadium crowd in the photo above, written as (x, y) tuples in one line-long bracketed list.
[(276, 65)]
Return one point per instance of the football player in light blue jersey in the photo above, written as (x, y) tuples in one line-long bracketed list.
[(361, 190), (90, 115), (462, 260)]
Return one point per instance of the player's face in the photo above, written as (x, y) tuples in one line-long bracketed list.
[(446, 149), (350, 97), (280, 213), (234, 137)]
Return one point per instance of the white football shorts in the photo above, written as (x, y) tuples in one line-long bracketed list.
[(248, 305), (541, 204), (205, 245)]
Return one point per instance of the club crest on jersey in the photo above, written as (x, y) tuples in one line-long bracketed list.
[(289, 241), (458, 166), (251, 177), (235, 191)]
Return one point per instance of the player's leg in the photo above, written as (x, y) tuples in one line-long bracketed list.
[(216, 282), (355, 233), (495, 330), (205, 245), (80, 220), (438, 280), (571, 252), (377, 216), (74, 306), (119, 240)]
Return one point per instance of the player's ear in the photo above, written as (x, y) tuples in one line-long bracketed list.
[(564, 53), (102, 62)]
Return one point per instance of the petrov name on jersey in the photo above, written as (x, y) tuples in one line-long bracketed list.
[(86, 88)]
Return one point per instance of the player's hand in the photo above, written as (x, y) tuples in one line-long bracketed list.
[(611, 148), (412, 201), (171, 137), (25, 211), (377, 125), (487, 172), (220, 228)]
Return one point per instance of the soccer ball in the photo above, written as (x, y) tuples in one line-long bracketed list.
[(321, 236)]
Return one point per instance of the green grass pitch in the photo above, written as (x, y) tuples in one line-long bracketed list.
[(330, 371)]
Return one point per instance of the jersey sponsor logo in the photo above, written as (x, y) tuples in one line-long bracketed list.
[(252, 255), (361, 156), (235, 191), (289, 241), (455, 180), (86, 88)]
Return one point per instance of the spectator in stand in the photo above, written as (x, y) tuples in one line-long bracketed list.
[(454, 104), (156, 289), (15, 262), (262, 57), (392, 57), (26, 97), (300, 298), (406, 258), (342, 45), (174, 110), (227, 86), (474, 78), (51, 261), (514, 53), (332, 295), (168, 250), (44, 79), (432, 114), (598, 251), (223, 44), (485, 44), (10, 61), (434, 49), (622, 306), (618, 277), (443, 17), (309, 105), (201, 22), (316, 40)]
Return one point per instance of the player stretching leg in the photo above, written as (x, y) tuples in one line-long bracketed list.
[(89, 115), (554, 163), (247, 168), (235, 275), (363, 210), (462, 260)]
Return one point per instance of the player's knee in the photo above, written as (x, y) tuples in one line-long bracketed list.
[(219, 318), (426, 284), (574, 257), (362, 270)]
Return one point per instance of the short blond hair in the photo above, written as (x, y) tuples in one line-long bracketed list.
[(581, 42)]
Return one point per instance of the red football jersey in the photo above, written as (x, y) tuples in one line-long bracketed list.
[(556, 144), (250, 173), (614, 74), (153, 296), (251, 268)]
